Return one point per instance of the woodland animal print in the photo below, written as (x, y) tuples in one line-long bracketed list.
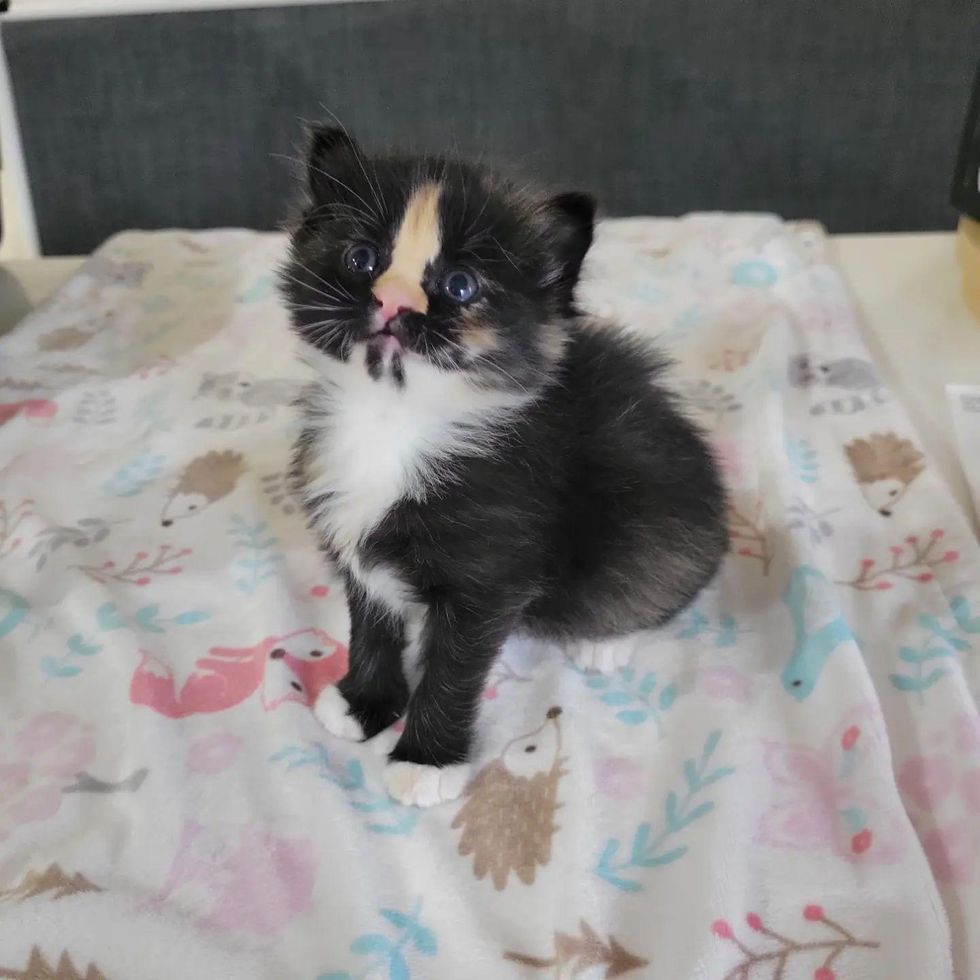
[(785, 780), (884, 465), (204, 481)]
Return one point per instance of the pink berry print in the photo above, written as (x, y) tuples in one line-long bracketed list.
[(849, 739), (861, 841), (824, 936), (320, 591), (912, 561)]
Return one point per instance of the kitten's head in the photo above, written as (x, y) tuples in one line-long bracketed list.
[(400, 262)]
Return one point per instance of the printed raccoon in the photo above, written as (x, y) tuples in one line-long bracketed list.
[(478, 458)]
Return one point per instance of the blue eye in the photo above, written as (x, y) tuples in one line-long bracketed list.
[(361, 258), (460, 286)]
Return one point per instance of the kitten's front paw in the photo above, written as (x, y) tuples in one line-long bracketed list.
[(603, 656), (334, 713), (412, 784)]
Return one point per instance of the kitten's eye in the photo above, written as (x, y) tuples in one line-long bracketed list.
[(361, 258), (460, 286)]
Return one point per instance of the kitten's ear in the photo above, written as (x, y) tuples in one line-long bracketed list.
[(571, 217), (331, 152)]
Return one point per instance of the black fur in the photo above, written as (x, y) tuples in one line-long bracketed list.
[(599, 510)]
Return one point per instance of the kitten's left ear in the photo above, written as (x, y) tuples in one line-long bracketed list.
[(571, 217), (332, 149)]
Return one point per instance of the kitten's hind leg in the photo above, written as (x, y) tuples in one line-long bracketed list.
[(373, 693), (602, 656)]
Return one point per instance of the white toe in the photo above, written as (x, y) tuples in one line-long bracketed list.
[(384, 741), (604, 656), (333, 712), (412, 784)]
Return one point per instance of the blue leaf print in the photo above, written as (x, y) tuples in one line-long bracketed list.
[(753, 273), (146, 619), (135, 475), (625, 688), (803, 460), (943, 641), (388, 954), (632, 717), (387, 817), (397, 967), (190, 618), (373, 943), (648, 851), (77, 644), (424, 940), (398, 919), (260, 559), (54, 668), (108, 617), (963, 615), (723, 633), (616, 698)]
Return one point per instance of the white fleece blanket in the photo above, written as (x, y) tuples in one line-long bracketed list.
[(786, 784)]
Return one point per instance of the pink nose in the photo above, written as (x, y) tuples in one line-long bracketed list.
[(393, 297)]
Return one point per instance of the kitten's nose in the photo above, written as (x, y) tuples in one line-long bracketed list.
[(395, 296)]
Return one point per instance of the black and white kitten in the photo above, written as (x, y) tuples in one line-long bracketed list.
[(477, 458)]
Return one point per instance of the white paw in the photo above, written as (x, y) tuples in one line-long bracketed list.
[(412, 784), (333, 712), (384, 741), (604, 656)]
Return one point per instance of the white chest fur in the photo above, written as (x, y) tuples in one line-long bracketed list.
[(376, 443)]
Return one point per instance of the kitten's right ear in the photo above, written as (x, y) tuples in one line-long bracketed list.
[(331, 152)]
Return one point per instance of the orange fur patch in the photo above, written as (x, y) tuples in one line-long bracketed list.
[(417, 243)]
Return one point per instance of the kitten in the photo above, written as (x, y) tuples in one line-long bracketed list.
[(477, 458)]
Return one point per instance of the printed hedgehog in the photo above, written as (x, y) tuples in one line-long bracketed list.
[(884, 466), (204, 480), (508, 819)]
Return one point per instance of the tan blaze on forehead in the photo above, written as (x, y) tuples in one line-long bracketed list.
[(416, 243)]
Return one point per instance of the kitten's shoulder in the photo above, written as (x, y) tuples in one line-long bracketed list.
[(601, 351)]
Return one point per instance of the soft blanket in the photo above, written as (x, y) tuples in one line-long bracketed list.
[(784, 785)]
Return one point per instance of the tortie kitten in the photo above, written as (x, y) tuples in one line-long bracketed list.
[(478, 458)]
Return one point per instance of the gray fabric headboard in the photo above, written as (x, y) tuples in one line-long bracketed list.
[(848, 111)]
